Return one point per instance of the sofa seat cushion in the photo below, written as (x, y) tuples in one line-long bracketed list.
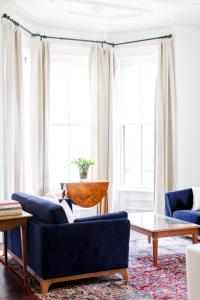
[(188, 216), (43, 210)]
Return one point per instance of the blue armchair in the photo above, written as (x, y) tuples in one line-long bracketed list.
[(178, 205), (58, 251)]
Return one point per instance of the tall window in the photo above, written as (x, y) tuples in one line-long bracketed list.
[(137, 121), (69, 117)]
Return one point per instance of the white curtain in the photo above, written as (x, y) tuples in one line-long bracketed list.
[(12, 176), (40, 80), (165, 103), (102, 75)]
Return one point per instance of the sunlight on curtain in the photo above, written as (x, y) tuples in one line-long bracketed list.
[(165, 133), (12, 112), (102, 87)]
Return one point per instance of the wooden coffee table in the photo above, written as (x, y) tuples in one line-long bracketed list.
[(157, 226)]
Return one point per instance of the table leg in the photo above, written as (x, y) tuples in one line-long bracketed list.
[(24, 252), (100, 208), (5, 248), (194, 238), (106, 203), (155, 250)]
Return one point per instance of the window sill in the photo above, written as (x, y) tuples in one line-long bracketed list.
[(137, 190)]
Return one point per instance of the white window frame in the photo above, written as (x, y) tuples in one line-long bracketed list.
[(67, 55), (126, 58)]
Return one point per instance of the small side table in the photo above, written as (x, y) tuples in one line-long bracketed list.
[(11, 222)]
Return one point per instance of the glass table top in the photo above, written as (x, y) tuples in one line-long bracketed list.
[(154, 222)]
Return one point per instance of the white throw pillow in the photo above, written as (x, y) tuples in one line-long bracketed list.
[(196, 198), (68, 211)]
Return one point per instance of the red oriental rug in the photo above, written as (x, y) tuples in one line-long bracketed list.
[(167, 281)]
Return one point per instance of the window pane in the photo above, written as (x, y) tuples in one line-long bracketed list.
[(148, 91), (132, 93), (59, 92), (58, 155), (70, 117), (148, 155), (132, 155), (138, 89), (79, 147), (79, 94)]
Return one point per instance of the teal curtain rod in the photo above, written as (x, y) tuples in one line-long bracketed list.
[(5, 16)]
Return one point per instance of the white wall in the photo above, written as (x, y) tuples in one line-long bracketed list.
[(119, 37), (187, 64)]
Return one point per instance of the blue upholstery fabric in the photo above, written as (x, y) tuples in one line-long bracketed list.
[(56, 250), (43, 210), (192, 216), (178, 200), (178, 205), (111, 216), (14, 241)]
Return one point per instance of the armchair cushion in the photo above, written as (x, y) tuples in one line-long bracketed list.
[(188, 216), (42, 209), (178, 200)]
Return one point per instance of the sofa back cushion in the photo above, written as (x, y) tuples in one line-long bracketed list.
[(45, 211), (178, 200)]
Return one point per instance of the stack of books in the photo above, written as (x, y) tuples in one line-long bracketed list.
[(10, 208)]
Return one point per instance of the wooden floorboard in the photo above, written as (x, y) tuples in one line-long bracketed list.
[(10, 289)]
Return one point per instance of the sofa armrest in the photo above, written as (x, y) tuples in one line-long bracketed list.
[(110, 216), (178, 200), (79, 248)]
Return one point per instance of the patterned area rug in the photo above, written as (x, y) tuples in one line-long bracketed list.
[(167, 281)]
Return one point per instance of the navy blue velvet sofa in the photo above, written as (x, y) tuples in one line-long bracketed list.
[(178, 204), (61, 251)]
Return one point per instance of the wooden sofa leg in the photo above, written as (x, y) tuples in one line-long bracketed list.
[(45, 286), (125, 274)]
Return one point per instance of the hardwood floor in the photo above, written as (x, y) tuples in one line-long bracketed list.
[(10, 289)]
